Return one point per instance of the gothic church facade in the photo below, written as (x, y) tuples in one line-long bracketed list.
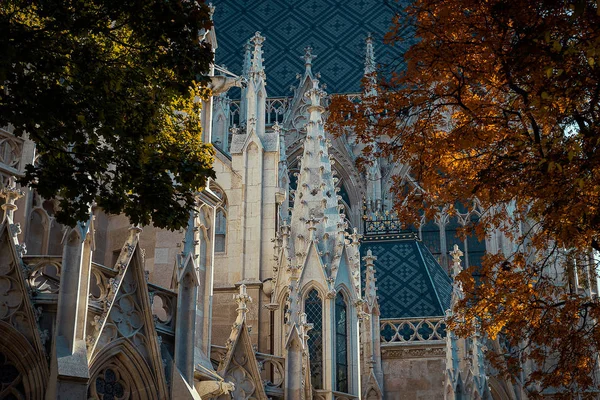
[(292, 281)]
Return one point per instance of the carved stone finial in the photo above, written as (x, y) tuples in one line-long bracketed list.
[(135, 229), (456, 255), (308, 56), (242, 299), (369, 258), (11, 194), (257, 40), (256, 67)]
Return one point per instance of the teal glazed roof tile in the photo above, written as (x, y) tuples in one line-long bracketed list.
[(336, 29), (410, 282)]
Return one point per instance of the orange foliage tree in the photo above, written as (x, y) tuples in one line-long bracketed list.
[(498, 101)]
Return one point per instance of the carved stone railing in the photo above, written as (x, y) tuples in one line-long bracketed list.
[(343, 396), (101, 278), (275, 109), (43, 274), (272, 371), (381, 223), (11, 150), (413, 330), (320, 394), (164, 307)]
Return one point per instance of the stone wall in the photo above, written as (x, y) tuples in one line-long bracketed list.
[(413, 373)]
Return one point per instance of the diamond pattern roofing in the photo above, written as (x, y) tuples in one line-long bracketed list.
[(336, 29)]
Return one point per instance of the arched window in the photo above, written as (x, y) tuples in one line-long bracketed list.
[(341, 344), (313, 307), (220, 220), (220, 230)]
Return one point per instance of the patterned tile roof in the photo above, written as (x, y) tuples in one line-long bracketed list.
[(410, 281), (336, 29)]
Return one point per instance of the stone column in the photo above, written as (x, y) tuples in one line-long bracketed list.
[(69, 369)]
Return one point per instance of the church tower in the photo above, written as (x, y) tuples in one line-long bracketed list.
[(317, 276)]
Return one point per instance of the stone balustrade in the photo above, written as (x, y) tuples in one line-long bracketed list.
[(320, 394), (272, 370), (164, 307), (11, 150), (412, 330), (43, 275), (275, 109), (343, 396)]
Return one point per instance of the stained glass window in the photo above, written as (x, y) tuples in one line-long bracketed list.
[(109, 386), (341, 344), (313, 307)]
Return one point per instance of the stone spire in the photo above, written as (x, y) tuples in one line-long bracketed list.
[(247, 63), (369, 55), (308, 58), (374, 193), (256, 66), (317, 213), (254, 97)]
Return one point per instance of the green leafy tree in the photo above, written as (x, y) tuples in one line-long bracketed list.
[(110, 92)]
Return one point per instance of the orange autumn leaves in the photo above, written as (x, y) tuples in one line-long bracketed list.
[(498, 102)]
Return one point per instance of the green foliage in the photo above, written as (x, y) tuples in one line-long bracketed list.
[(109, 90)]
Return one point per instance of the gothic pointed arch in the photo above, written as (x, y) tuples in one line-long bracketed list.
[(313, 270), (37, 234), (24, 374), (220, 219), (20, 341), (128, 322), (121, 372), (373, 390)]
